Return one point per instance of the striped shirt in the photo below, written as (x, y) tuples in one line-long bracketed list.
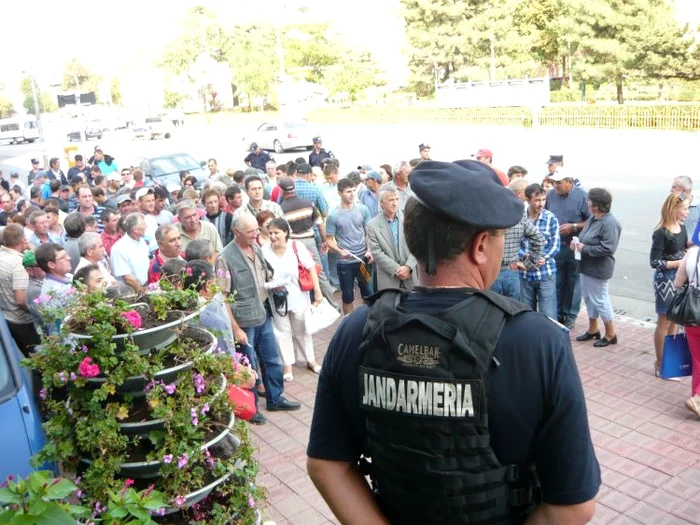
[(301, 216), (548, 225), (13, 277)]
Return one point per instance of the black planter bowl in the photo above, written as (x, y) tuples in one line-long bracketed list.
[(136, 384), (151, 469), (149, 339)]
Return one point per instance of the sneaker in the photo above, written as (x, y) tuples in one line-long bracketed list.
[(258, 419)]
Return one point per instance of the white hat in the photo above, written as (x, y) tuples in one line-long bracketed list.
[(142, 192), (172, 187)]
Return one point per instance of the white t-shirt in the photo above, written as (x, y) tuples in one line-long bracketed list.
[(130, 257), (287, 269)]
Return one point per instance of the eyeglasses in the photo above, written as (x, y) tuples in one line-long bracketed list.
[(682, 197)]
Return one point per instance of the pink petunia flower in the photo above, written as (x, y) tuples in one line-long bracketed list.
[(88, 369), (133, 318)]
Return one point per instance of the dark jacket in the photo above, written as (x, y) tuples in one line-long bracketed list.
[(600, 238)]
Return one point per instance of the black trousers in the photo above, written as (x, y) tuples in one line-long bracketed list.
[(25, 336)]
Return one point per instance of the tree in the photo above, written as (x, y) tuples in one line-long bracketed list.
[(254, 64), (115, 90), (172, 99), (77, 76), (312, 47), (201, 34), (626, 39), (46, 102), (6, 108), (353, 76)]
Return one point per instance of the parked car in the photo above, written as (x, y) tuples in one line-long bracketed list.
[(152, 128), (93, 130), (282, 135), (166, 169), (21, 435)]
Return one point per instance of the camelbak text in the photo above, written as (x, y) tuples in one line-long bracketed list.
[(427, 398), (421, 350)]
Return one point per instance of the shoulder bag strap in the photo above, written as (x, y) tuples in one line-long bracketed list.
[(694, 281)]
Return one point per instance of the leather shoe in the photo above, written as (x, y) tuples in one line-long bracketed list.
[(258, 419), (605, 342), (570, 323), (587, 336), (283, 404)]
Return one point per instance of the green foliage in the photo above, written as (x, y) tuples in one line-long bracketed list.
[(128, 506), (6, 107), (564, 95), (78, 76), (115, 90), (201, 34), (172, 99), (353, 77), (40, 499), (46, 102), (313, 48), (254, 64), (597, 41)]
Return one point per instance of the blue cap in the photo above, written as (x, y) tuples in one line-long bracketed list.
[(467, 191), (375, 175), (317, 139)]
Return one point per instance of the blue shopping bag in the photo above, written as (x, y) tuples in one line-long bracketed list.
[(676, 359)]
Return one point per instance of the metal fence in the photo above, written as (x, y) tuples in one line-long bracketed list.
[(668, 117)]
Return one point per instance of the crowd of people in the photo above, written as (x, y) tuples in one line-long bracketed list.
[(109, 227)]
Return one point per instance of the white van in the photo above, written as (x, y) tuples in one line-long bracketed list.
[(19, 129)]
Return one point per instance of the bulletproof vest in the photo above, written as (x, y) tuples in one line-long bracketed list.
[(424, 394)]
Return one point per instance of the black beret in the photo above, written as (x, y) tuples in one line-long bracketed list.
[(467, 191)]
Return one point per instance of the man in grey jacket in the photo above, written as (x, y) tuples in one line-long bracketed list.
[(394, 265), (252, 313)]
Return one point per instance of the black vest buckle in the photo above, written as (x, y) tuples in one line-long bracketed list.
[(521, 496), (512, 473)]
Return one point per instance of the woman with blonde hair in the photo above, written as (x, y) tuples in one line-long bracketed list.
[(668, 248)]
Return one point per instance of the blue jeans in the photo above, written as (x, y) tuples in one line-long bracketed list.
[(568, 286), (347, 274), (541, 295), (262, 339), (507, 283), (329, 262)]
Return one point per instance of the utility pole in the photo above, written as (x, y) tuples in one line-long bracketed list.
[(492, 70), (37, 114)]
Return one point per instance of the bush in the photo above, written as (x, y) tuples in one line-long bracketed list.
[(564, 95)]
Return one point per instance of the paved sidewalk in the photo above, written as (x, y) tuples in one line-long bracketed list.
[(647, 442)]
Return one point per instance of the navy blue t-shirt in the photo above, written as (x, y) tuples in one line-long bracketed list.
[(537, 409)]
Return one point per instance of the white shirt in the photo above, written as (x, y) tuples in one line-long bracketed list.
[(104, 270), (164, 217), (287, 270), (130, 257)]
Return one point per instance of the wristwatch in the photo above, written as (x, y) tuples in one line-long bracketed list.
[(575, 228)]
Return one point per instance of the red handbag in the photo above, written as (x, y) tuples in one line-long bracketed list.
[(305, 282), (243, 401)]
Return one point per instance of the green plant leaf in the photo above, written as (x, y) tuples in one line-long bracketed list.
[(23, 519), (117, 512), (54, 515), (62, 489), (7, 497), (139, 513)]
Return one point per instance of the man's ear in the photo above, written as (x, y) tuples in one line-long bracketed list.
[(477, 253)]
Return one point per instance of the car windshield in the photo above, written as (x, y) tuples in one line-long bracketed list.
[(172, 164), (7, 382), (151, 120)]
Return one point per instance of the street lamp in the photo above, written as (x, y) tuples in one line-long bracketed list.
[(37, 109)]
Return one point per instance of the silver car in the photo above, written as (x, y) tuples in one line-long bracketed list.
[(279, 136)]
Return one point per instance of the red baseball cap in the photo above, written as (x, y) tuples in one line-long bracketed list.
[(483, 153)]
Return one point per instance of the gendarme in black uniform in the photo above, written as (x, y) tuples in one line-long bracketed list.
[(455, 394)]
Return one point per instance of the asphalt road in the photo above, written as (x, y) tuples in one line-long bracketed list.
[(636, 166)]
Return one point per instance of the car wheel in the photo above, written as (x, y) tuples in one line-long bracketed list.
[(167, 135), (277, 145), (31, 140), (99, 137)]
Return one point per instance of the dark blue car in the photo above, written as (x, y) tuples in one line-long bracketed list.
[(20, 422)]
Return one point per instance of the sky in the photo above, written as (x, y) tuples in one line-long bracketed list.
[(110, 36)]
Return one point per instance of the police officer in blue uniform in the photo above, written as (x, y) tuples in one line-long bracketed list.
[(318, 155), (462, 406), (257, 158)]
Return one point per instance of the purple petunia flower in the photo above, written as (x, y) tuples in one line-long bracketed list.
[(205, 409), (180, 501), (42, 393), (169, 389), (193, 415), (73, 377), (251, 501), (182, 460), (168, 458), (199, 383)]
